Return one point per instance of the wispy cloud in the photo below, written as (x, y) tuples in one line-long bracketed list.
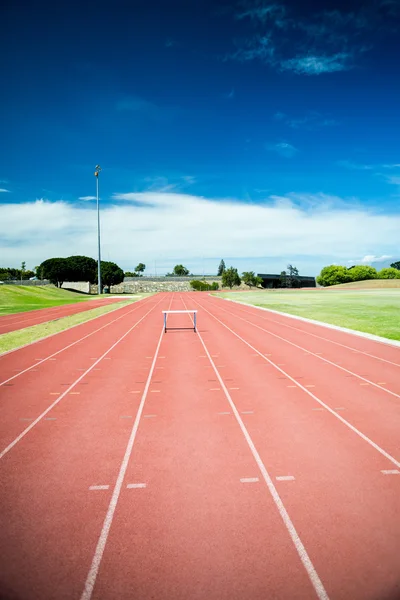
[(87, 198), (2, 190), (150, 110), (258, 47), (347, 164), (312, 120), (261, 12), (368, 259), (283, 149), (316, 65)]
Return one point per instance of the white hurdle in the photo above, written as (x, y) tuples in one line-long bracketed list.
[(191, 312)]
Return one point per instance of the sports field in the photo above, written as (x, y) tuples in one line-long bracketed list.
[(23, 298), (255, 458), (375, 311)]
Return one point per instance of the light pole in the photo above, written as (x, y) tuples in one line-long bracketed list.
[(96, 174)]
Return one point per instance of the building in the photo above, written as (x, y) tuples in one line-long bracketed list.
[(274, 281)]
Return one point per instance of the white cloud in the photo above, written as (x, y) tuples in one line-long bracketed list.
[(154, 226), (4, 190), (283, 148), (347, 164), (87, 198), (316, 65), (369, 259)]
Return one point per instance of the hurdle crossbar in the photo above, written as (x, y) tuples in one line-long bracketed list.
[(191, 312)]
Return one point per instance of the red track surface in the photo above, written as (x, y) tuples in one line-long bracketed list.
[(252, 396), (43, 315)]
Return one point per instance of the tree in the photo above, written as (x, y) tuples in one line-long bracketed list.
[(362, 272), (181, 271), (292, 278), (283, 278), (139, 269), (221, 268), (333, 275), (389, 273), (81, 268), (230, 277), (23, 265), (251, 279), (396, 265), (111, 273), (55, 270)]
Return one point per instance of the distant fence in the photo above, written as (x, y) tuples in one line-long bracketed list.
[(172, 278), (26, 282)]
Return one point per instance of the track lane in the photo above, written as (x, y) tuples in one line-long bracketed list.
[(367, 408), (17, 321), (50, 519), (195, 531), (342, 505)]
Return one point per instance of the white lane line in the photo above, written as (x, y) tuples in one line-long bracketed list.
[(126, 417), (337, 365), (73, 343), (67, 391), (391, 472), (135, 392), (50, 419), (132, 486), (99, 487), (317, 408), (101, 544), (249, 480), (155, 391), (313, 334), (302, 552), (215, 389), (285, 478), (234, 388), (223, 413), (247, 412), (311, 394), (149, 416), (26, 419)]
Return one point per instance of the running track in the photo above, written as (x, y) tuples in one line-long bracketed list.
[(16, 321), (256, 459)]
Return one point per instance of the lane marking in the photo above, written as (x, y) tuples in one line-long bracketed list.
[(337, 365), (391, 472), (247, 412), (234, 388), (223, 413), (215, 389), (309, 386), (132, 486), (26, 419), (291, 386), (136, 307), (302, 552), (126, 417), (135, 392), (74, 393), (381, 383), (50, 419), (155, 391), (285, 478), (317, 408), (55, 393), (249, 480), (311, 394), (364, 383), (58, 400), (99, 487), (101, 544), (149, 416)]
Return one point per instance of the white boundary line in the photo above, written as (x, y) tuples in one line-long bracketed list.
[(369, 336), (302, 552), (67, 391), (307, 391), (136, 307), (314, 354), (101, 544), (320, 337)]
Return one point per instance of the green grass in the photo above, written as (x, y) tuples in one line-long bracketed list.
[(16, 339), (371, 311), (23, 298)]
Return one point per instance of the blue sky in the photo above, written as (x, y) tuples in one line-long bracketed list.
[(261, 132)]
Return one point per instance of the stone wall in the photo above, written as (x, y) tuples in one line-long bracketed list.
[(141, 285), (78, 286)]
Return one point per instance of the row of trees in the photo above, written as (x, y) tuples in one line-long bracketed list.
[(79, 268), (335, 274), (138, 272), (12, 274)]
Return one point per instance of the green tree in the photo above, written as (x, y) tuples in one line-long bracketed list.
[(333, 275), (283, 279), (55, 270), (181, 271), (81, 268), (396, 265), (251, 279), (221, 268), (140, 269), (230, 277), (389, 273), (362, 272), (111, 273), (23, 265), (292, 278)]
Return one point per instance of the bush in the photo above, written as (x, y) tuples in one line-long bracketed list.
[(389, 273), (333, 275), (203, 286), (362, 272)]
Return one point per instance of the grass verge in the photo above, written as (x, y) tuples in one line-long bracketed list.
[(16, 339), (23, 298), (372, 311)]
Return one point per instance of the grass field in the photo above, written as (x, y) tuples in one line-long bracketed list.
[(21, 298), (16, 339), (370, 284), (374, 311)]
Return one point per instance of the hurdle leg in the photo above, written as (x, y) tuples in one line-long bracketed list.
[(195, 322), (165, 322)]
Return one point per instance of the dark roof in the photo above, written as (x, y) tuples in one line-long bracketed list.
[(276, 276)]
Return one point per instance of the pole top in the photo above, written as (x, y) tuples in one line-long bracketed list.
[(97, 171)]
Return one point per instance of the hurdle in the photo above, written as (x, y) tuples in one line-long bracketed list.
[(191, 312)]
